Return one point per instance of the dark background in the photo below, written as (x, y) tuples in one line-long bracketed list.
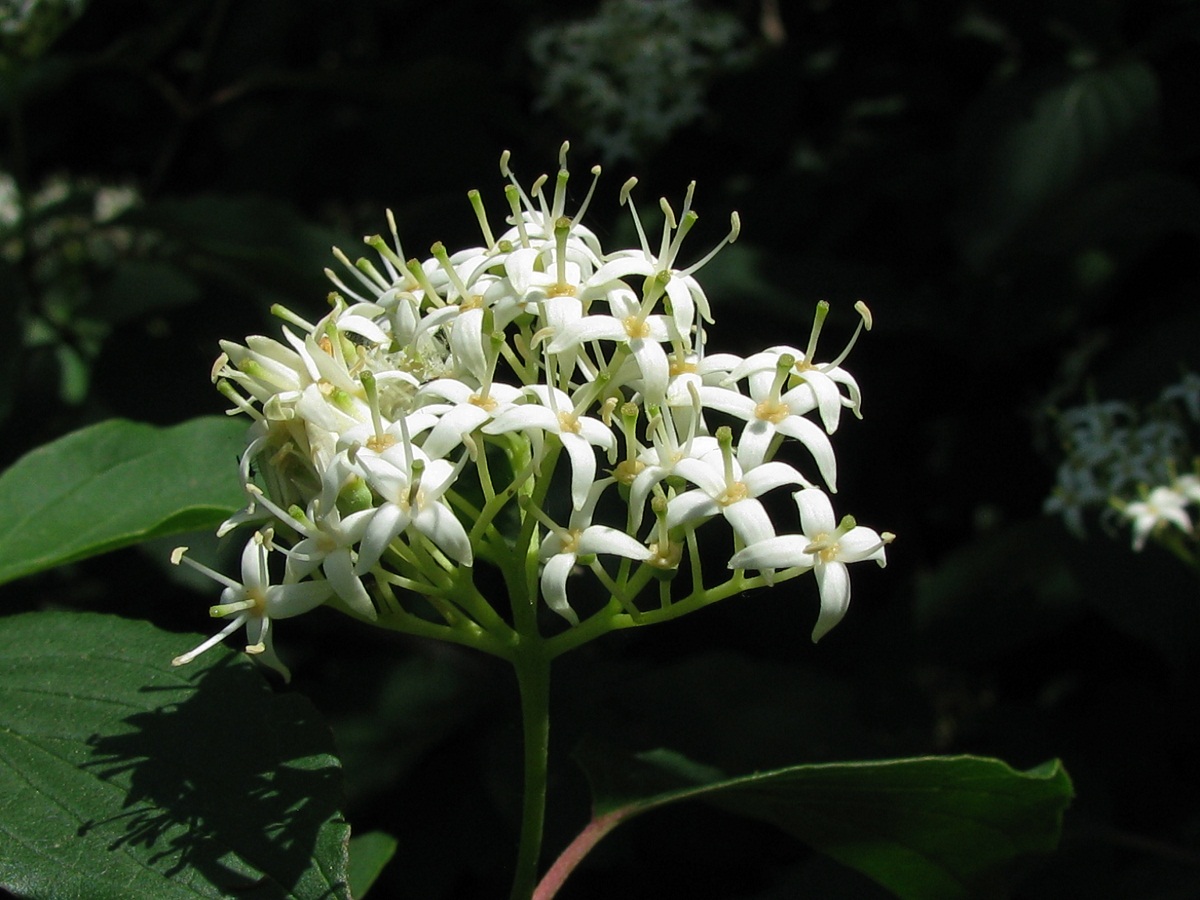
[(1010, 186)]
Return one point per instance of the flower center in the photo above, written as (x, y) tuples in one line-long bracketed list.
[(570, 541), (773, 411), (666, 555), (379, 443), (825, 547), (568, 423), (257, 597), (733, 493), (627, 470), (636, 327), (485, 403)]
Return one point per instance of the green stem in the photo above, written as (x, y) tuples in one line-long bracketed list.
[(533, 676)]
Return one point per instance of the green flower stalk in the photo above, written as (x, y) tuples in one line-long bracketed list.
[(540, 408)]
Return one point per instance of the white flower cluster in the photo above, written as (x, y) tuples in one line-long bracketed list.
[(534, 403), (1128, 461)]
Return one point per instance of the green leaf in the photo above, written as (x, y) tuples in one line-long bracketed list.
[(122, 777), (927, 827), (369, 853), (115, 484)]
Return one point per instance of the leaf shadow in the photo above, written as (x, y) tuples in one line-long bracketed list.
[(228, 781)]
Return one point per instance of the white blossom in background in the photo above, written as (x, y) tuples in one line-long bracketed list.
[(1140, 465), (1162, 507), (448, 413)]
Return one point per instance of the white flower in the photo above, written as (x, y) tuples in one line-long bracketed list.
[(254, 602), (471, 408), (411, 486), (818, 380), (554, 413), (562, 547), (722, 487), (825, 546), (328, 544), (629, 325), (1188, 486), (769, 412), (657, 462), (1163, 506)]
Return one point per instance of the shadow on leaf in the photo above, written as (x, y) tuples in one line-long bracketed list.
[(227, 780)]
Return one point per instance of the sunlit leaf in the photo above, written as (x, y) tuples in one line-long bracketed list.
[(114, 484), (122, 777)]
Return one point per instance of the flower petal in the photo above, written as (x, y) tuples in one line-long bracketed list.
[(833, 579), (816, 512), (554, 585)]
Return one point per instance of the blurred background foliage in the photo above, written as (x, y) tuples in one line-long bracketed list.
[(1013, 187)]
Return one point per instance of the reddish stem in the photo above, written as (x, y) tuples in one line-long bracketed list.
[(577, 850)]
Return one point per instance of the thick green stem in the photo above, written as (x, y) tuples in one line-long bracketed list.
[(533, 676)]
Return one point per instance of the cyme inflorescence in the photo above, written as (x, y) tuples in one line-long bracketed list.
[(1138, 465), (540, 406)]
